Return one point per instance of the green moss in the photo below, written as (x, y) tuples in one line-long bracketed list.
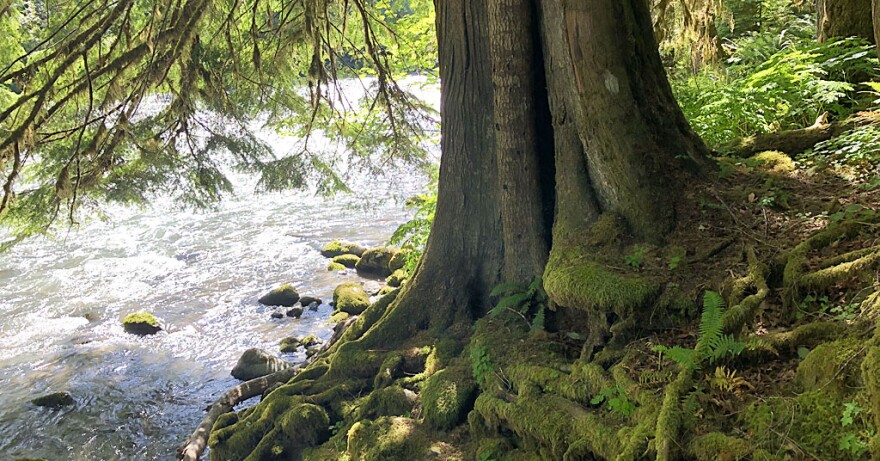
[(387, 439), (448, 396), (871, 377), (309, 341), (832, 367), (580, 283), (141, 323), (377, 261), (389, 370), (811, 421), (337, 248), (334, 267), (289, 344), (351, 298), (338, 317), (396, 278), (348, 261), (773, 161), (398, 260), (386, 290), (716, 446), (389, 401)]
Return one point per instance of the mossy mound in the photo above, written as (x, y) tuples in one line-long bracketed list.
[(388, 401), (448, 396), (396, 278), (335, 267), (285, 296), (141, 324), (385, 290), (773, 161), (386, 439), (398, 260), (832, 367), (289, 345), (716, 446), (309, 341), (351, 298), (337, 248), (377, 261), (348, 261)]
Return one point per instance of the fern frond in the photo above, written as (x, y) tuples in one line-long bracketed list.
[(711, 321), (507, 287), (513, 301)]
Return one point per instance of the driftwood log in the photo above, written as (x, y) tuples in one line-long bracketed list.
[(195, 445), (794, 142)]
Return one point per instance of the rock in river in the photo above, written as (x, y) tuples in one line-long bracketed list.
[(307, 300), (336, 248), (141, 324), (54, 400), (284, 295), (351, 298), (255, 363)]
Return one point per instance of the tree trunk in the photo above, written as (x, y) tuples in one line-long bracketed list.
[(512, 50), (637, 141), (844, 18), (875, 15)]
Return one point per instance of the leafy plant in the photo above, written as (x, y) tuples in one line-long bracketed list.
[(481, 364), (855, 154), (524, 301), (615, 400), (413, 234), (713, 345), (854, 442), (726, 381), (674, 262), (634, 259)]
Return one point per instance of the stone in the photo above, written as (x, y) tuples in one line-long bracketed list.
[(396, 278), (336, 267), (289, 344), (313, 306), (295, 312), (141, 324), (308, 300), (348, 261), (255, 363), (337, 248), (55, 400), (309, 341), (284, 296), (277, 315), (372, 287), (376, 261), (351, 298)]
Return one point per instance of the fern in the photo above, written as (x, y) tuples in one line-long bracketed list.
[(523, 300)]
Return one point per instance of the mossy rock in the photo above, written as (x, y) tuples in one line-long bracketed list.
[(398, 260), (141, 324), (351, 298), (255, 363), (586, 285), (306, 301), (832, 367), (335, 267), (773, 161), (348, 261), (309, 341), (285, 296), (337, 248), (387, 439), (810, 421), (289, 345), (338, 317), (385, 290), (55, 400), (716, 446), (377, 261), (448, 396), (389, 401), (396, 278)]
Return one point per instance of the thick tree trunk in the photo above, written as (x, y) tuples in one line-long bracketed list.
[(844, 18), (512, 52), (875, 14), (637, 141)]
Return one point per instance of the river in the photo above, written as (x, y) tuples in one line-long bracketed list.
[(62, 301)]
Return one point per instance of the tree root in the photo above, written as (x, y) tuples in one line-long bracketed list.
[(195, 445)]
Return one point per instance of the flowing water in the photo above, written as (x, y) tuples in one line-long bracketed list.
[(62, 302)]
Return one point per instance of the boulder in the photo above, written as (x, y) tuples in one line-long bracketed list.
[(351, 298), (295, 312), (398, 260), (309, 341), (308, 300), (372, 287), (141, 324), (385, 290), (285, 296), (348, 261), (336, 248), (376, 261), (289, 344), (335, 267), (313, 306), (277, 315), (396, 278), (255, 363), (55, 400)]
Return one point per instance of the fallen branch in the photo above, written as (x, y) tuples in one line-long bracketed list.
[(195, 445), (794, 142)]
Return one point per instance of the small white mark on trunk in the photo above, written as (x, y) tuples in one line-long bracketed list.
[(611, 82)]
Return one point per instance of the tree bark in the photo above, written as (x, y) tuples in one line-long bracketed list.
[(512, 51), (635, 137), (844, 18), (875, 15)]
